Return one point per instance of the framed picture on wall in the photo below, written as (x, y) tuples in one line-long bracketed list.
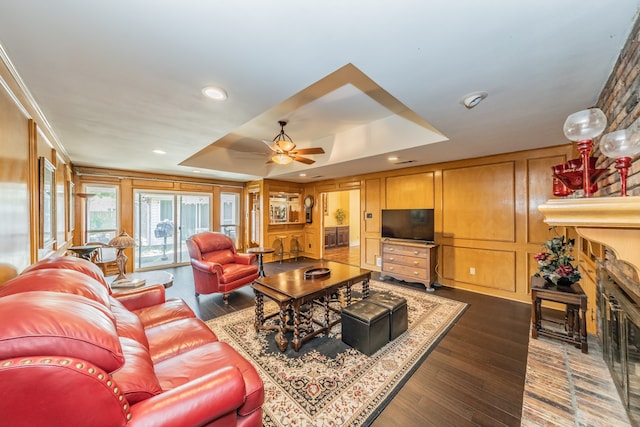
[(47, 190)]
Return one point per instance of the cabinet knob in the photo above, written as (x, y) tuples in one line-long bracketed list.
[(391, 268), (391, 258), (390, 249), (415, 262), (416, 252), (415, 273)]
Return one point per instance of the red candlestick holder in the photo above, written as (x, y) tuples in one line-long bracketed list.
[(584, 147), (623, 164)]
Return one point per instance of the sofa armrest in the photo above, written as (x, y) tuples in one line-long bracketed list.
[(195, 403), (135, 299), (246, 259), (207, 267)]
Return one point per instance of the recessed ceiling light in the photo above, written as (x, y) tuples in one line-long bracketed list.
[(214, 92), (392, 158), (303, 174), (159, 151), (195, 171)]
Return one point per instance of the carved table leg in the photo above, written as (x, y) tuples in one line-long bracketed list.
[(296, 342), (281, 339), (259, 320), (365, 288)]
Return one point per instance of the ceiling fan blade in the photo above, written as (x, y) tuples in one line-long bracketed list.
[(317, 150), (304, 160)]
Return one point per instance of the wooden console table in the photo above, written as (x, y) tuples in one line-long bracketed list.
[(575, 324)]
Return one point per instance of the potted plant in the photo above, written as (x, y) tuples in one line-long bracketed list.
[(554, 262), (340, 215)]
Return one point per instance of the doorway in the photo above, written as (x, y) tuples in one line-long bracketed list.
[(163, 221), (341, 226)]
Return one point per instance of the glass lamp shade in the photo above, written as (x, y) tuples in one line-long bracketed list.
[(621, 143), (585, 124), (285, 145), (282, 159), (123, 240)]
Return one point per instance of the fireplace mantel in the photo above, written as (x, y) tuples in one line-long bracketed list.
[(611, 221)]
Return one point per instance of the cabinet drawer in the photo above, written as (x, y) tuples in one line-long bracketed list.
[(410, 261), (405, 250), (405, 270)]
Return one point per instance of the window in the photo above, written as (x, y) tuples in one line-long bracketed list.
[(102, 213)]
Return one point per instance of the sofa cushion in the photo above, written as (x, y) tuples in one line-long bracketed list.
[(57, 280), (224, 256), (128, 325), (173, 338), (71, 263), (48, 323), (172, 309), (207, 358), (136, 378)]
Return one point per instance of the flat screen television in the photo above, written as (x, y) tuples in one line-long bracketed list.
[(408, 224)]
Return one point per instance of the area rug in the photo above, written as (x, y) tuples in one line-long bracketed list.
[(328, 383)]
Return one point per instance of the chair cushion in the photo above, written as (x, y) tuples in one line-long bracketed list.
[(57, 280), (136, 378), (41, 323), (233, 272), (71, 263), (221, 257)]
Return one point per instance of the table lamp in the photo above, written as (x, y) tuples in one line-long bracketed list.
[(621, 145), (582, 127), (121, 242)]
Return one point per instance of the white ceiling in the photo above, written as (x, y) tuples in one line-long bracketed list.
[(361, 79)]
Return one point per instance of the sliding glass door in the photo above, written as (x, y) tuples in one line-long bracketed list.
[(162, 223)]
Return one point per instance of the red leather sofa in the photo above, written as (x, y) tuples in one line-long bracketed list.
[(217, 267), (72, 353)]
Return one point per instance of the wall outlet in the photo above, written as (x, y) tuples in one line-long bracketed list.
[(379, 261), (472, 271)]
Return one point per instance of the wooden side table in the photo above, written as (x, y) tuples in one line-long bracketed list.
[(260, 253), (575, 323)]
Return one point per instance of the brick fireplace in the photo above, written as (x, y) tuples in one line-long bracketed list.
[(615, 223)]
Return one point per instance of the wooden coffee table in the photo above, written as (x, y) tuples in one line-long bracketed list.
[(291, 291)]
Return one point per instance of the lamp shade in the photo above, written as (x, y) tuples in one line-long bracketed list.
[(585, 124), (621, 143), (123, 240), (282, 159)]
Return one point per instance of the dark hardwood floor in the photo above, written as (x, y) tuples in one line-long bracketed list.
[(474, 376)]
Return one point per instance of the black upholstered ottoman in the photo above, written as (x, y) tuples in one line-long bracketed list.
[(365, 326), (397, 309)]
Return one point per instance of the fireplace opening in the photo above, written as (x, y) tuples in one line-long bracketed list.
[(618, 301)]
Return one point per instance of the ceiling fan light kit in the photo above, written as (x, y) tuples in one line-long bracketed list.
[(285, 150)]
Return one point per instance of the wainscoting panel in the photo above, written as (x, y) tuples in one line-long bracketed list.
[(540, 184), (479, 202), (487, 268), (410, 191)]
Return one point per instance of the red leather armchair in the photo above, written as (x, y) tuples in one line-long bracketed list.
[(217, 267)]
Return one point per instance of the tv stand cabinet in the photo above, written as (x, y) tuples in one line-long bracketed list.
[(413, 262)]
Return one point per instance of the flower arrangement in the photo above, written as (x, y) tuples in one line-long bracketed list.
[(554, 263), (340, 214)]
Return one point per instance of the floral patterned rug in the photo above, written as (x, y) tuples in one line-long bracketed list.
[(327, 382)]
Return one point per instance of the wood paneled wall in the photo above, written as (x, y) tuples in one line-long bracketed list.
[(487, 224)]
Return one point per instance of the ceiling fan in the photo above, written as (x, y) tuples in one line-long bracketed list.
[(285, 150)]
